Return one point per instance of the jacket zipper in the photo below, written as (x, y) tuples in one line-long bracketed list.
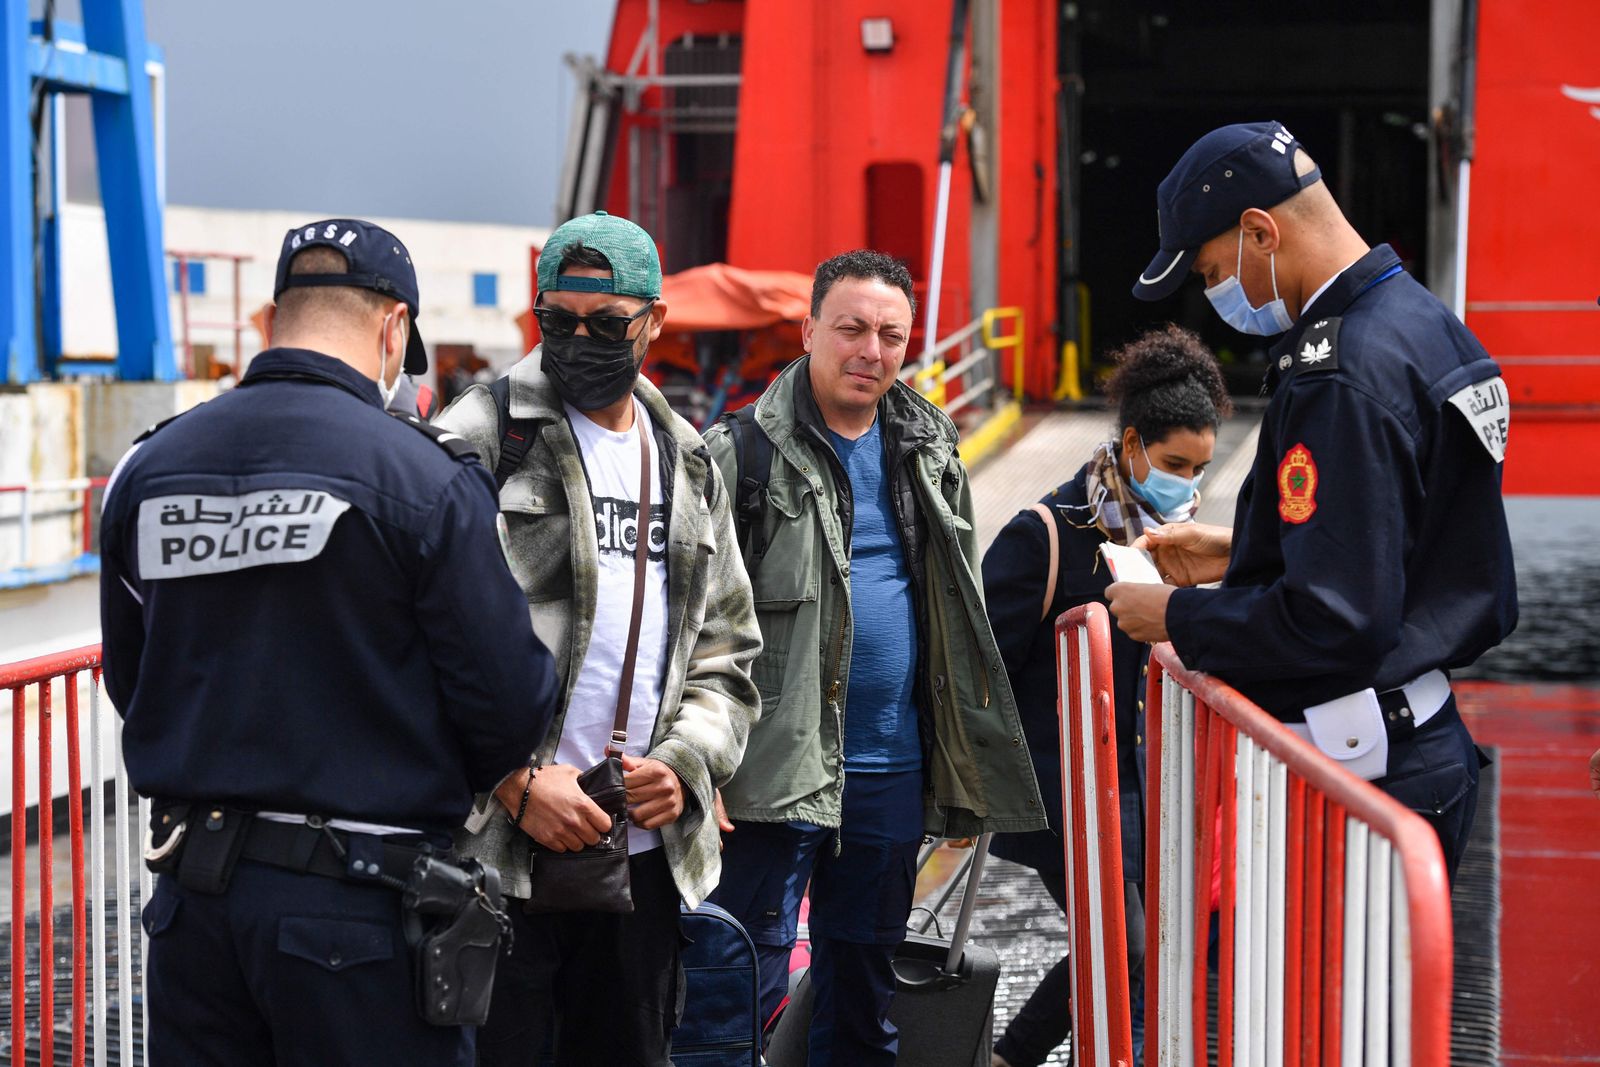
[(838, 721)]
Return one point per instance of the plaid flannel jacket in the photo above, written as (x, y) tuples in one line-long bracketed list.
[(708, 701)]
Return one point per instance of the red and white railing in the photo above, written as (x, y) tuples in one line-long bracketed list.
[(1092, 836), (1332, 939), (1333, 943), (33, 686)]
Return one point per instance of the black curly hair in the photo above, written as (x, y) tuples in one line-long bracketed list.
[(863, 263), (1168, 380)]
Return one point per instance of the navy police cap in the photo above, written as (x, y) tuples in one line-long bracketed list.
[(376, 260), (1231, 169)]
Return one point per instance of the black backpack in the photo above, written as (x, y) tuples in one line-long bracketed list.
[(753, 450), (516, 437)]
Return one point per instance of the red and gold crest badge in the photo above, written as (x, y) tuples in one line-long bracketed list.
[(1297, 485)]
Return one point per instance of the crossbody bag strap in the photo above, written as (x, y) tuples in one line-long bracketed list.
[(641, 558), (1055, 558)]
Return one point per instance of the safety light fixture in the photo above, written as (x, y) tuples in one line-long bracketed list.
[(877, 35)]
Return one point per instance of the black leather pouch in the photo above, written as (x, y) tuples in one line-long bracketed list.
[(211, 848), (595, 879)]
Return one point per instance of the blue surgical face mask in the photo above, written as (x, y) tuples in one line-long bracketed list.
[(1230, 302), (1163, 490)]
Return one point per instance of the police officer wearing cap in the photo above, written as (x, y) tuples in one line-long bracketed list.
[(1369, 554), (320, 654)]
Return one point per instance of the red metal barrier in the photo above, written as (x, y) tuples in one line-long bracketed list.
[(40, 673), (1092, 836), (1334, 940)]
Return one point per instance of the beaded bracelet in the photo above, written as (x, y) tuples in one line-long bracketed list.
[(522, 808)]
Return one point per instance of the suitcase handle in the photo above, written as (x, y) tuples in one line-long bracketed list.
[(969, 875), (969, 902)]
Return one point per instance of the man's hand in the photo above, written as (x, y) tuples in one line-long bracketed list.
[(1188, 553), (1594, 772), (1141, 609), (724, 823), (560, 816), (655, 793)]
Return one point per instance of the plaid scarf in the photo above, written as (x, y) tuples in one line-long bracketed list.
[(1115, 507)]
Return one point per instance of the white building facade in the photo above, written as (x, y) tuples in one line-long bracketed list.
[(474, 278)]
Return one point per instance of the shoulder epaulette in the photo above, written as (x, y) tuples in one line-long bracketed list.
[(455, 444), (157, 427), (1318, 349)]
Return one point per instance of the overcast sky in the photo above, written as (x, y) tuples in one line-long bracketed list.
[(410, 108)]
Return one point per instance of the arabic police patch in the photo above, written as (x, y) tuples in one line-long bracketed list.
[(1318, 347), (193, 534), (1297, 485)]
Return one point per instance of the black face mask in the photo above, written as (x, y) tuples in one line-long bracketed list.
[(590, 374)]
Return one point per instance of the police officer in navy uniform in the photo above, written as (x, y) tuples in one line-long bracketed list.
[(1369, 554), (320, 655)]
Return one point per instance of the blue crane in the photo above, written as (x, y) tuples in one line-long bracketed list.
[(107, 58)]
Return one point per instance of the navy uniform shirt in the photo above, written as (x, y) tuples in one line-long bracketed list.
[(306, 608), (1370, 542)]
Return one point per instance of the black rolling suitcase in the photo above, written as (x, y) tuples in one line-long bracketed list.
[(944, 993)]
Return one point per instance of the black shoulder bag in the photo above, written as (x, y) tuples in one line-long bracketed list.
[(596, 879)]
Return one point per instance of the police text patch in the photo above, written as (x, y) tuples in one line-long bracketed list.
[(1487, 406), (186, 535)]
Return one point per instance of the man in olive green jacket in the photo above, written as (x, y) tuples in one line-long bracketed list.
[(886, 711)]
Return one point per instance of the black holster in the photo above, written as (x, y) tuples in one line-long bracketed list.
[(456, 922)]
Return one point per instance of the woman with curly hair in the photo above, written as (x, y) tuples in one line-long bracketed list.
[(1170, 398)]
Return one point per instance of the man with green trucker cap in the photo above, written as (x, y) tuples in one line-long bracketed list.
[(577, 438)]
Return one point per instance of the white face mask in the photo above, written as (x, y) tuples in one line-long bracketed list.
[(1230, 302), (388, 392)]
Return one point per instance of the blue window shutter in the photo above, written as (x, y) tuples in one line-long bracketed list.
[(197, 277), (485, 290)]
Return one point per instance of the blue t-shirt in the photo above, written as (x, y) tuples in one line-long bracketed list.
[(880, 714)]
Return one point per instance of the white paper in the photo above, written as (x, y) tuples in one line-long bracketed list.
[(1130, 564)]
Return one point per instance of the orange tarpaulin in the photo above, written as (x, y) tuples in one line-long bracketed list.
[(720, 297)]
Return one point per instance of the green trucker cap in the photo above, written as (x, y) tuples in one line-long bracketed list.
[(635, 267)]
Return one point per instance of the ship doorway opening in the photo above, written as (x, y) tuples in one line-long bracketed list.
[(699, 123), (1350, 81)]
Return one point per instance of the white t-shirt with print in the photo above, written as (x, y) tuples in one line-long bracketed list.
[(612, 463)]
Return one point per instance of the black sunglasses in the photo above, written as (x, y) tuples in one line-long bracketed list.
[(553, 322)]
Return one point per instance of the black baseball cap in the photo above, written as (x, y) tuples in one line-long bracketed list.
[(377, 261), (1246, 165)]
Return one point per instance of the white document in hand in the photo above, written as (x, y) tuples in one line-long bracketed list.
[(1130, 564)]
